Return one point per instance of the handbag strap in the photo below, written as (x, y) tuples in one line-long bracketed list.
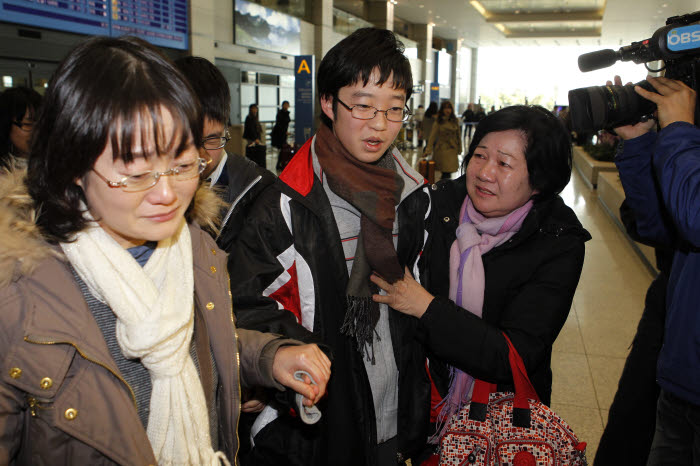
[(523, 390)]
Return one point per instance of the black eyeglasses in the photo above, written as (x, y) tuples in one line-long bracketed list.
[(216, 142), (367, 112), (24, 126)]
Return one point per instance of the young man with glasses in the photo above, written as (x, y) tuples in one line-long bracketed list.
[(240, 180), (346, 205)]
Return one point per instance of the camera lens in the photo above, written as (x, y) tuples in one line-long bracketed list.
[(607, 107)]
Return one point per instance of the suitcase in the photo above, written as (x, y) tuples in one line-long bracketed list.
[(285, 155), (427, 169), (257, 153)]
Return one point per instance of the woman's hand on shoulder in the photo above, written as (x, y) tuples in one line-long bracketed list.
[(406, 295), (309, 358)]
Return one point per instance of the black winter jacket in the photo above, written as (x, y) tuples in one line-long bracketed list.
[(530, 283), (295, 285), (278, 136), (242, 181), (252, 129)]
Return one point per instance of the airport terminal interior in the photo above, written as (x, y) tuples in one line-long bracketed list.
[(254, 43)]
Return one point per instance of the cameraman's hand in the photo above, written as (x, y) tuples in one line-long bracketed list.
[(636, 130), (675, 100)]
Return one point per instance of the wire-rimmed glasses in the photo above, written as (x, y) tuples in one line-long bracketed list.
[(216, 142), (143, 181)]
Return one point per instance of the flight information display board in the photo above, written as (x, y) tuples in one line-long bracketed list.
[(161, 22)]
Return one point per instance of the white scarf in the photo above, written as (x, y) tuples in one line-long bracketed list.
[(154, 306)]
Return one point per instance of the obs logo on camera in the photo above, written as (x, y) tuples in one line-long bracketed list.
[(684, 38)]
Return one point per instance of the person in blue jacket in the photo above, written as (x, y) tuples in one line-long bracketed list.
[(660, 173)]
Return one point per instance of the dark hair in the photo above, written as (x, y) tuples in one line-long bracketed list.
[(285, 102), (14, 103), (95, 97), (251, 107), (209, 86), (441, 115), (547, 146), (353, 60), (431, 110)]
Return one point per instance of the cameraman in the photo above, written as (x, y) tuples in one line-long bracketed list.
[(660, 173)]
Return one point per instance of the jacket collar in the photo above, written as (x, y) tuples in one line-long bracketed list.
[(300, 177), (299, 172), (549, 216)]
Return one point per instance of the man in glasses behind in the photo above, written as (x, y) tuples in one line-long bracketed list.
[(240, 180), (18, 107)]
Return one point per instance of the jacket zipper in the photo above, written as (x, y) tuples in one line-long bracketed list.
[(235, 203), (238, 366), (84, 356)]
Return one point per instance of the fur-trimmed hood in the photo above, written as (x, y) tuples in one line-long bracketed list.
[(22, 245)]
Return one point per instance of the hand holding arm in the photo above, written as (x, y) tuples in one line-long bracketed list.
[(406, 295), (309, 358)]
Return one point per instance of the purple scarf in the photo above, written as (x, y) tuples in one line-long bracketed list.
[(476, 235)]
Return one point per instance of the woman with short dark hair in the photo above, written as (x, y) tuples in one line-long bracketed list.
[(116, 322), (252, 130), (278, 137), (18, 107), (504, 255)]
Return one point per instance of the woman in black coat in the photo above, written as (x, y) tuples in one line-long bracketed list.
[(279, 131), (515, 253), (252, 130), (254, 136)]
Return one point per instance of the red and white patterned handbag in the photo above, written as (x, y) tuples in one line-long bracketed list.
[(498, 429)]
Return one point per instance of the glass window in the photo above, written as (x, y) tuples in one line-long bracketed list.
[(268, 79), (248, 76), (346, 23), (287, 94), (267, 95), (247, 96), (267, 113), (287, 80), (444, 68)]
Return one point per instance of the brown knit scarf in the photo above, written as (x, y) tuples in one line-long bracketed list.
[(374, 190)]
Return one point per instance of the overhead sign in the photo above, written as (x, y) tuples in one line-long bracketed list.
[(435, 92), (418, 88), (304, 92), (161, 22)]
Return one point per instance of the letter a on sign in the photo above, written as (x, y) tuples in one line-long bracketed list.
[(303, 66)]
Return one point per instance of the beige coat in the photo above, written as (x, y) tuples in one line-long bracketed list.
[(445, 143), (62, 398)]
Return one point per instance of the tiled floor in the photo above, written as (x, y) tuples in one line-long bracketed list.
[(590, 352)]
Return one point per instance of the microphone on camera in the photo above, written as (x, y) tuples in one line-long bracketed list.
[(597, 60)]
